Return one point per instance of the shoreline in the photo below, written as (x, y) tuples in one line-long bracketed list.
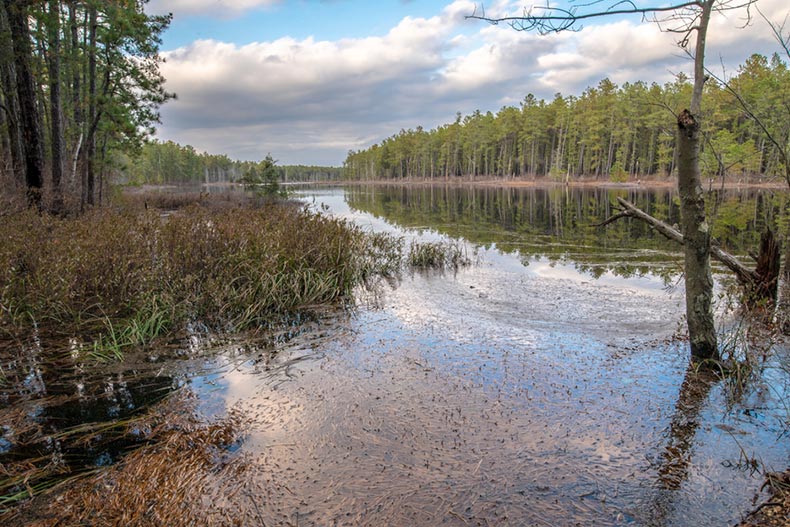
[(545, 183)]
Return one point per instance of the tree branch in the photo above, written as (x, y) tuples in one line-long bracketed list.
[(745, 276), (546, 19), (557, 19)]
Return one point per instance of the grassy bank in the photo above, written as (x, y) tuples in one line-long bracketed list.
[(125, 275)]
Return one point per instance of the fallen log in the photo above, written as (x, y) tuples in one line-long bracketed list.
[(760, 284)]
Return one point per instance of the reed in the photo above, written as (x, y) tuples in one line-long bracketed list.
[(173, 454), (438, 255), (121, 277)]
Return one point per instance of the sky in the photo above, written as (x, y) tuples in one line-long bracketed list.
[(308, 80)]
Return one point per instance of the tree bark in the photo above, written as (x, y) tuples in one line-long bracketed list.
[(32, 143), (11, 106), (89, 182), (763, 295), (696, 232), (55, 106)]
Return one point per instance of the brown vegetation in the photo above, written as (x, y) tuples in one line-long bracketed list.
[(131, 273), (775, 512), (185, 475)]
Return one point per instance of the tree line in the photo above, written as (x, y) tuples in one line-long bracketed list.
[(80, 84), (608, 132), (169, 163)]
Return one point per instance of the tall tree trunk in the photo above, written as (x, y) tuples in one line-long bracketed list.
[(90, 167), (696, 231), (76, 92), (11, 109), (55, 106), (32, 143)]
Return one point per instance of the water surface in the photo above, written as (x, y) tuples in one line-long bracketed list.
[(540, 387), (543, 385)]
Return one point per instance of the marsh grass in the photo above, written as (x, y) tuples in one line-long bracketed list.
[(121, 277), (176, 200), (438, 255), (745, 353), (164, 481)]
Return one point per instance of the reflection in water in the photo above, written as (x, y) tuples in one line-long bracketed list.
[(558, 223), (498, 395), (58, 413), (677, 454)]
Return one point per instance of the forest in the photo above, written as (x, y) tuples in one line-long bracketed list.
[(166, 162), (80, 98), (80, 87), (608, 132)]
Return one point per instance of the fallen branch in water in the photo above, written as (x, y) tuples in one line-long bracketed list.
[(759, 284)]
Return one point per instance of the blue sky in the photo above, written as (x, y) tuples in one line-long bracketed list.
[(308, 80), (332, 20)]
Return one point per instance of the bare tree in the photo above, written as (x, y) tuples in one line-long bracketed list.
[(690, 21)]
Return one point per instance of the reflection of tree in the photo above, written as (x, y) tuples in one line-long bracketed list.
[(676, 455), (61, 416), (556, 223)]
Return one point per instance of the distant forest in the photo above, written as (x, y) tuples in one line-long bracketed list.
[(170, 163), (608, 132)]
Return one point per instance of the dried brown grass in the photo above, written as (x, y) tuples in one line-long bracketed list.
[(186, 475), (131, 274)]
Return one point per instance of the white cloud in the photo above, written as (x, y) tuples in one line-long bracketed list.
[(613, 50), (311, 100)]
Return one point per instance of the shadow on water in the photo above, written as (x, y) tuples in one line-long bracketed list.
[(676, 455)]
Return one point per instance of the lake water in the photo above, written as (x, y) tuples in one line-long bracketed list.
[(543, 385)]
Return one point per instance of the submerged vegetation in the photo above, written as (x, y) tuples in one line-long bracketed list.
[(175, 458)]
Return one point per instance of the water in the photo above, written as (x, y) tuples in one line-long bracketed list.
[(542, 386)]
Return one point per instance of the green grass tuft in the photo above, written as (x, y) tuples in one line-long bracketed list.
[(437, 255)]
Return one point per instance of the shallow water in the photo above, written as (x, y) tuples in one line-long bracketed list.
[(502, 394), (541, 386)]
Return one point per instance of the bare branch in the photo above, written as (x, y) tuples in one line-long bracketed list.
[(779, 31), (679, 18), (745, 276), (551, 19)]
